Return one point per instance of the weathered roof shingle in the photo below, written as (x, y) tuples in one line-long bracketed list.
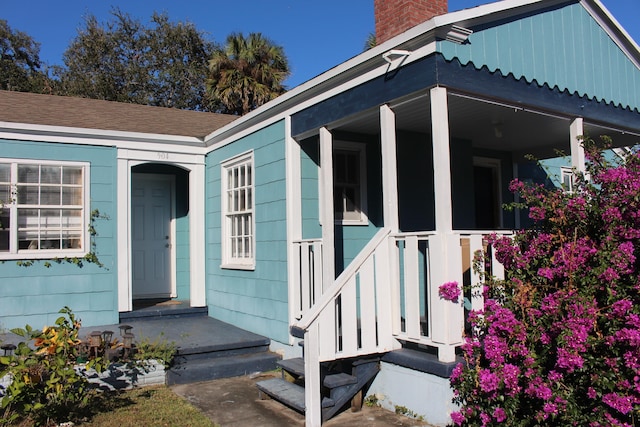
[(37, 109)]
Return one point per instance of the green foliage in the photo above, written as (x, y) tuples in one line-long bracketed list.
[(158, 349), (246, 73), (45, 384), (20, 65), (163, 64), (90, 257)]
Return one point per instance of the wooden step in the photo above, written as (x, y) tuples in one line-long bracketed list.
[(293, 366), (339, 380), (288, 393)]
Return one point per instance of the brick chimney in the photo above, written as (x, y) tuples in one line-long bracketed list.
[(396, 16)]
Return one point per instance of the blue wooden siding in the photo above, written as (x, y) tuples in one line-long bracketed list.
[(563, 47), (309, 170), (33, 295), (254, 300)]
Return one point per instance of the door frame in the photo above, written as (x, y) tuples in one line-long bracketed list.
[(171, 179), (195, 165)]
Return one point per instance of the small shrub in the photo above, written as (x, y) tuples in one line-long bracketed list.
[(159, 349), (45, 386)]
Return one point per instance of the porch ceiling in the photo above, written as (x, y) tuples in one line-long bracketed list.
[(489, 125)]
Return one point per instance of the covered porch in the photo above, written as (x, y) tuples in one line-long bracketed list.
[(438, 165)]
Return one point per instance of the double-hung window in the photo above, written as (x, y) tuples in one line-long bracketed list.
[(349, 183), (238, 245), (43, 209)]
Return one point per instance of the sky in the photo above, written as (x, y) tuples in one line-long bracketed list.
[(316, 34)]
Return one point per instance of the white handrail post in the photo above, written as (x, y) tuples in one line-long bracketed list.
[(312, 397)]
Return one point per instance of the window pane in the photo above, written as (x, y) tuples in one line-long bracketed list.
[(50, 196), (72, 175), (5, 195), (5, 173), (352, 169), (27, 218), (72, 196), (339, 166), (350, 200), (72, 219), (28, 195), (28, 174), (50, 174), (5, 223)]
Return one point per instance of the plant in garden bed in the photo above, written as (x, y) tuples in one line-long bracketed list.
[(558, 341), (45, 386)]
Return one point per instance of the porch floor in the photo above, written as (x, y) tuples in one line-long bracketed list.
[(189, 328)]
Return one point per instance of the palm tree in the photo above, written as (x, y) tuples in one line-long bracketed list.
[(246, 73)]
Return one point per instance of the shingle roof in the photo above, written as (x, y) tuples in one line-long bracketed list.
[(37, 109)]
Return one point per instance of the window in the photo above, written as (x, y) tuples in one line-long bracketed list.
[(566, 174), (43, 209), (238, 245), (349, 183)]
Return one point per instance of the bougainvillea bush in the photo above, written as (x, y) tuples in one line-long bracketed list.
[(558, 341)]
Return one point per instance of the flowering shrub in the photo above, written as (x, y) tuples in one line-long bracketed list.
[(45, 386), (558, 341), (450, 291)]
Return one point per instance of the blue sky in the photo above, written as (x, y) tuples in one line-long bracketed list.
[(316, 34)]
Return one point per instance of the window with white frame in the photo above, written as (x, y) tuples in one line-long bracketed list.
[(349, 183), (43, 209), (238, 242), (567, 176)]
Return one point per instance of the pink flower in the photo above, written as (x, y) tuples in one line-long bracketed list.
[(499, 415), (457, 418), (450, 291)]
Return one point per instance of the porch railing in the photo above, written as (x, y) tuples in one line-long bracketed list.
[(387, 294), (307, 267), (416, 290), (354, 313)]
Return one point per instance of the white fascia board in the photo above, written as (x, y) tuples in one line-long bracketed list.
[(98, 137), (357, 70), (232, 134), (613, 28)]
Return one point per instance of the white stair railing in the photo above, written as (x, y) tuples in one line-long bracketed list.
[(353, 317)]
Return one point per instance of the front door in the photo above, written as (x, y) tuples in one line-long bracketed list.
[(151, 201)]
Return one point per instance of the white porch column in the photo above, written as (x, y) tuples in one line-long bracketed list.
[(441, 159), (444, 248), (577, 150), (294, 216), (326, 209), (197, 231), (389, 167)]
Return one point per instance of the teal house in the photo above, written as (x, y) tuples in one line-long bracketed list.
[(331, 214)]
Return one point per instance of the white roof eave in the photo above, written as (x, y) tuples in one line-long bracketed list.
[(365, 61)]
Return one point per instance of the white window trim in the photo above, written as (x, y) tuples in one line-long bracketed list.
[(564, 172), (361, 149), (227, 260), (26, 254)]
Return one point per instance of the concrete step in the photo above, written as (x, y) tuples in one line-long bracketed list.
[(215, 367)]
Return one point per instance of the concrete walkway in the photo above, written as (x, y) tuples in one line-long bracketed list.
[(234, 402)]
